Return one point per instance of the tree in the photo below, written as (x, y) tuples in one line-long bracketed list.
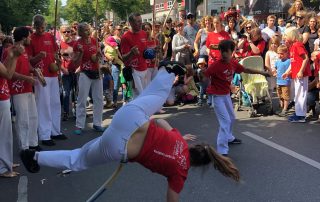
[(51, 12), (18, 13), (124, 7)]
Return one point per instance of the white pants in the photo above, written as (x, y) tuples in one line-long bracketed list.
[(97, 95), (151, 73), (225, 115), (301, 91), (140, 81), (6, 153), (111, 146), (26, 124), (49, 108)]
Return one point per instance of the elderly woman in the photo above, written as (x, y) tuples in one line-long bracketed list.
[(252, 44), (86, 56), (181, 46)]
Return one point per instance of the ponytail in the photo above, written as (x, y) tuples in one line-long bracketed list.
[(204, 154), (223, 164)]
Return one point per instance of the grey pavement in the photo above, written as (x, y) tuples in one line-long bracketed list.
[(267, 174)]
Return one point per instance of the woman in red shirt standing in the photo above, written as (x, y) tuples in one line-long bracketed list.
[(152, 143), (214, 39), (252, 44), (6, 152)]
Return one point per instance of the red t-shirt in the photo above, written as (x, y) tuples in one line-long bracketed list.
[(151, 44), (44, 42), (165, 152), (247, 51), (67, 52), (129, 40), (296, 51), (214, 39), (23, 67), (317, 63), (88, 50), (221, 75)]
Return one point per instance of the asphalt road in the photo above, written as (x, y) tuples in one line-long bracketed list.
[(283, 165)]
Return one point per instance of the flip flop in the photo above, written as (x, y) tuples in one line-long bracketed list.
[(15, 165), (9, 174)]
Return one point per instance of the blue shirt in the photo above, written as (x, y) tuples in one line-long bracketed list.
[(282, 66)]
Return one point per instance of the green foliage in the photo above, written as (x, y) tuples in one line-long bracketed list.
[(18, 13), (124, 7), (82, 10), (51, 12)]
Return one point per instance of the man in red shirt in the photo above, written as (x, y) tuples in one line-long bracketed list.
[(133, 44), (69, 77), (43, 54), (6, 143), (221, 74), (20, 86), (86, 51)]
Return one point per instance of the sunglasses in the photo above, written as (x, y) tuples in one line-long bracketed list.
[(67, 32), (249, 27), (299, 17)]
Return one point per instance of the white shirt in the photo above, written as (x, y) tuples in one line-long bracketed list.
[(268, 33)]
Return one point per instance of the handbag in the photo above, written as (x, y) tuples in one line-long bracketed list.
[(91, 74), (127, 73)]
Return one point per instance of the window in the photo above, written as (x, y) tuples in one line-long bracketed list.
[(157, 7), (169, 4), (161, 6)]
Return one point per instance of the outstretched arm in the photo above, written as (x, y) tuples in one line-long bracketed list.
[(254, 71), (172, 196)]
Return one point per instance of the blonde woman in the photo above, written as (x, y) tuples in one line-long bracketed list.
[(296, 6), (201, 38)]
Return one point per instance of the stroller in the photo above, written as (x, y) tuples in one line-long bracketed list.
[(253, 89)]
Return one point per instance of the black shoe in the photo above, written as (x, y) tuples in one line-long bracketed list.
[(59, 137), (29, 163), (173, 67), (235, 141), (291, 104), (37, 148), (48, 142)]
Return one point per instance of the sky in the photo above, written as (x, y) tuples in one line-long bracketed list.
[(64, 2)]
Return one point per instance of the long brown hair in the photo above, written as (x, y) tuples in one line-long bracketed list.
[(204, 154), (292, 10)]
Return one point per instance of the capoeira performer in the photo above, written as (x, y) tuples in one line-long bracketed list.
[(150, 142), (43, 51), (24, 103), (6, 142)]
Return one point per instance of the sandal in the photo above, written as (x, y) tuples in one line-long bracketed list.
[(15, 165), (9, 174)]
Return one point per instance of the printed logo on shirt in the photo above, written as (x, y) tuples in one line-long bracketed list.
[(92, 48), (5, 89), (18, 86), (143, 40)]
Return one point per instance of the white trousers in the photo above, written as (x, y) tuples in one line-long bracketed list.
[(140, 81), (6, 150), (49, 108), (111, 146), (97, 95), (301, 91), (151, 73), (224, 111), (26, 124)]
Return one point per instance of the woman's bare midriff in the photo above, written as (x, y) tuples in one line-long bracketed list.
[(136, 141)]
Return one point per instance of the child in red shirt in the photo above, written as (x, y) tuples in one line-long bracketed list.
[(221, 74), (299, 72)]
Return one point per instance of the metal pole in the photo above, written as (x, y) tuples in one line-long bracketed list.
[(55, 20)]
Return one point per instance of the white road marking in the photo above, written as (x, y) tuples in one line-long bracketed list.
[(283, 149), (23, 189)]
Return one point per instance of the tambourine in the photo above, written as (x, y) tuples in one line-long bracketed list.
[(149, 53), (39, 75)]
